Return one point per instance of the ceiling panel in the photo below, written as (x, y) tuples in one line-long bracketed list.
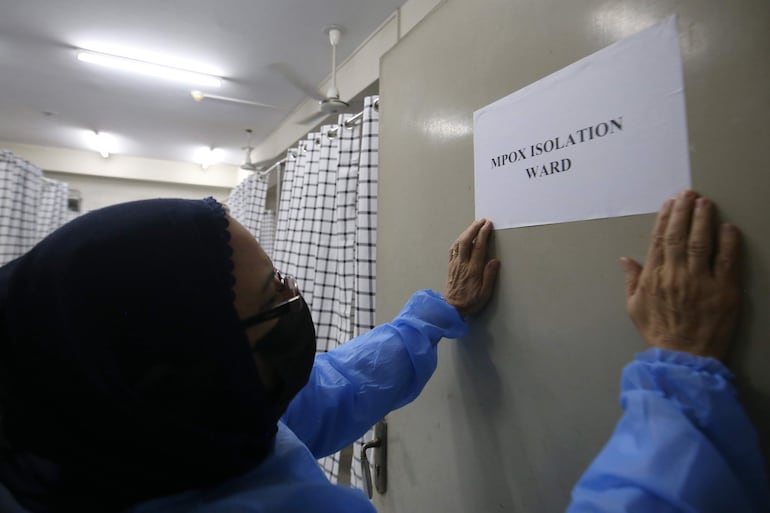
[(50, 98)]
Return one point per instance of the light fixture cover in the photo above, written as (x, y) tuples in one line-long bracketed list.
[(149, 68), (102, 143), (208, 156)]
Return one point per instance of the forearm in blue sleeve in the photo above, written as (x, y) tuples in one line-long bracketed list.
[(355, 385), (684, 444)]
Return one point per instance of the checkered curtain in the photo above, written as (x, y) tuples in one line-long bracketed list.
[(295, 239), (282, 219), (52, 211), (316, 228), (366, 230), (31, 206), (366, 247), (326, 232), (247, 206), (236, 202), (267, 232)]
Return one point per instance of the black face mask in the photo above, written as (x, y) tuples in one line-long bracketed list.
[(289, 349)]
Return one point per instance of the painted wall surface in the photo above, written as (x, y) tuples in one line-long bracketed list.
[(89, 163), (97, 191), (519, 407)]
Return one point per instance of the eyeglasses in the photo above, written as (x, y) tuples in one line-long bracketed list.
[(293, 304)]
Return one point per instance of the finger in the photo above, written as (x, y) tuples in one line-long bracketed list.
[(677, 231), (728, 253), (700, 243), (464, 242), (490, 277), (632, 270), (655, 251), (479, 253)]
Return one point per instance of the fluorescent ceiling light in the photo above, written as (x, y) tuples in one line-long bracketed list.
[(149, 68), (208, 156), (102, 143)]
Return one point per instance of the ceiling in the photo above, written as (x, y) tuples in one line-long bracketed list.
[(49, 98)]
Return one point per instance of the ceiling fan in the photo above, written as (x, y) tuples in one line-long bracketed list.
[(327, 104), (248, 165)]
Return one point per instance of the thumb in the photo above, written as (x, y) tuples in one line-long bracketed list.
[(632, 269)]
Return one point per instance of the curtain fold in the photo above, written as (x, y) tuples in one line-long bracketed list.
[(266, 233), (323, 246), (343, 240), (366, 229), (366, 248), (247, 206), (52, 212)]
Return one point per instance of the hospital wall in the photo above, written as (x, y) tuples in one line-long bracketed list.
[(101, 191), (519, 407)]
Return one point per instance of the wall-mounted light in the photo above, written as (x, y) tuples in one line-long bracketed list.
[(208, 156), (150, 68)]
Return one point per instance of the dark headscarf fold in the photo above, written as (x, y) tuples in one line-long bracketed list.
[(124, 371)]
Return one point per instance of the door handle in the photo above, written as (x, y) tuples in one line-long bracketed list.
[(379, 444)]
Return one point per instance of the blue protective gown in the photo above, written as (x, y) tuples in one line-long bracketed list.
[(350, 389), (683, 445)]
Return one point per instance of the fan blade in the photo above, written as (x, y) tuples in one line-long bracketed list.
[(291, 76), (314, 119), (198, 96)]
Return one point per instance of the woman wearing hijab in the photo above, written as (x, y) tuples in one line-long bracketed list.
[(152, 359)]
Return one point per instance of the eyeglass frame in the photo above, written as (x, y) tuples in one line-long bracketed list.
[(290, 305)]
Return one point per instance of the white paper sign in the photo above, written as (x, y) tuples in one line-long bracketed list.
[(603, 137)]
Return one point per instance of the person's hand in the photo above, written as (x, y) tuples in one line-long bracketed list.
[(686, 296), (472, 274)]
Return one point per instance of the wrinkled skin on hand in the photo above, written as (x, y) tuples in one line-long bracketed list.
[(472, 274), (686, 296)]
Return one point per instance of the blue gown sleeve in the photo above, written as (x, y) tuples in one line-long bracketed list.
[(684, 444), (355, 385)]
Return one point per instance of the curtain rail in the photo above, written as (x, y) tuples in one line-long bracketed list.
[(270, 169), (349, 123)]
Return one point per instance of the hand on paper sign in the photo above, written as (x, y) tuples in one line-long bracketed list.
[(472, 274), (685, 298)]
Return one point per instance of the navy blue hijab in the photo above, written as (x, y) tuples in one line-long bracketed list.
[(125, 373)]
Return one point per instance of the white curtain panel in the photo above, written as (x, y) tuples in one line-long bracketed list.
[(366, 229), (316, 228), (366, 247), (266, 233), (294, 250), (292, 239), (247, 206), (52, 211), (236, 202), (280, 255), (326, 232), (31, 206), (343, 239), (20, 184)]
